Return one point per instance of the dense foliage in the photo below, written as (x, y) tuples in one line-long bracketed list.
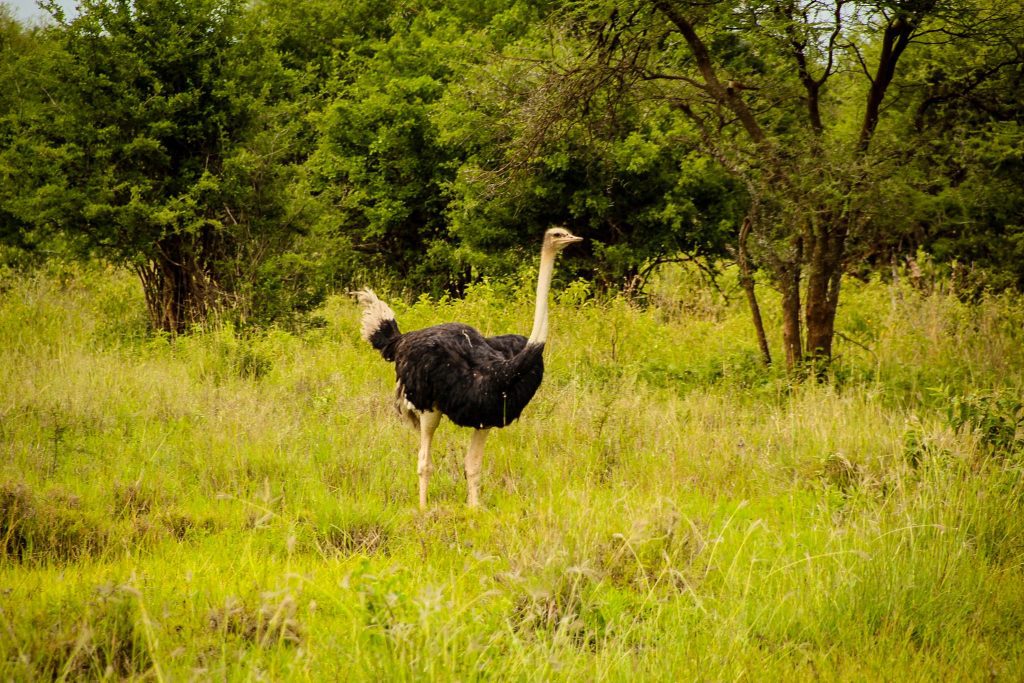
[(163, 142), (246, 158)]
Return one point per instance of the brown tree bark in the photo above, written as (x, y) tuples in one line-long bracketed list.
[(177, 289), (895, 39), (792, 343), (824, 276), (747, 282)]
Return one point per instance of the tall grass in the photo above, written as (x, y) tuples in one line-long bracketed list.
[(234, 506)]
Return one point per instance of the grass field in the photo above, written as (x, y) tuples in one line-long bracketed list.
[(243, 507)]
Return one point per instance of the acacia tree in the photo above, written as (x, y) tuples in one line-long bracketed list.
[(639, 200), (795, 98)]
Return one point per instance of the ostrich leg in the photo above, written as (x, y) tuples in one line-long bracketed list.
[(428, 423), (474, 463)]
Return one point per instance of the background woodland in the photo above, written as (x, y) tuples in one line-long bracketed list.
[(201, 474), (245, 159)]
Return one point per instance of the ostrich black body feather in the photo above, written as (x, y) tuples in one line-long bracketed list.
[(475, 381)]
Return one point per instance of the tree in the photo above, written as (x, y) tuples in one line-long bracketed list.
[(378, 170), (965, 130), (639, 200), (795, 99), (384, 165), (168, 148), (23, 54), (541, 148)]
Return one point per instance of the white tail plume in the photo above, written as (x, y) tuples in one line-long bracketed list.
[(375, 312)]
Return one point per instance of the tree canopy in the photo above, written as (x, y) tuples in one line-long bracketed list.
[(245, 158)]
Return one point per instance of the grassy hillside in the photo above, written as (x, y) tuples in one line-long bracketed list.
[(237, 507)]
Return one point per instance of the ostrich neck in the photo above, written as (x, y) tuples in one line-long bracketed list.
[(539, 334)]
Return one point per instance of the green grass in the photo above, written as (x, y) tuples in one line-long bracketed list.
[(226, 506)]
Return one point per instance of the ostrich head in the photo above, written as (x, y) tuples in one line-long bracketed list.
[(557, 239)]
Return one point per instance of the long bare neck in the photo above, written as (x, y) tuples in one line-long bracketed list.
[(539, 334)]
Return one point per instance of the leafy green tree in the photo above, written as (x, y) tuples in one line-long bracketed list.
[(382, 170), (168, 146), (795, 100), (318, 37), (614, 172), (965, 129), (24, 52), (378, 171)]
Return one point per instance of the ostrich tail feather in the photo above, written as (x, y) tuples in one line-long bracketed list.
[(378, 325)]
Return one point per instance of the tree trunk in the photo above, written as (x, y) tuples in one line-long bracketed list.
[(747, 282), (824, 276), (820, 316), (177, 289), (791, 337)]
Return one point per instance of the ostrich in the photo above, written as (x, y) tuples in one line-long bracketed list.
[(451, 369)]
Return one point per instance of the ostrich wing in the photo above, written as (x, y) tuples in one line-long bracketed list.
[(475, 381), (508, 345)]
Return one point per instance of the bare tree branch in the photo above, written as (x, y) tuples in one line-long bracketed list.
[(726, 96)]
